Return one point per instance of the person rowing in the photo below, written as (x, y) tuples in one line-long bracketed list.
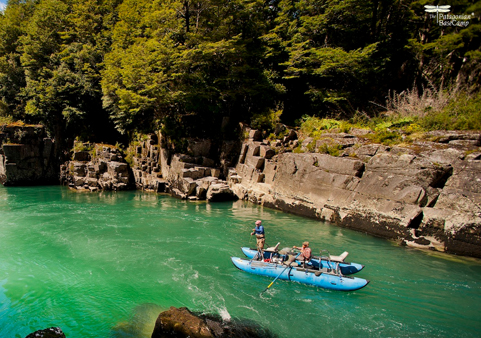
[(305, 254)]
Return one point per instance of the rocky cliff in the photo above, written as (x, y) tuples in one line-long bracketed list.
[(97, 167), (198, 175), (426, 194), (27, 156)]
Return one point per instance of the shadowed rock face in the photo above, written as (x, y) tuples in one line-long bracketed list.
[(219, 193), (27, 156), (193, 176)]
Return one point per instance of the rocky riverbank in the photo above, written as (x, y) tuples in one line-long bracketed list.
[(96, 167), (423, 194), (426, 194)]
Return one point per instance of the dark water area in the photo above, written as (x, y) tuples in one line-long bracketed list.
[(106, 264)]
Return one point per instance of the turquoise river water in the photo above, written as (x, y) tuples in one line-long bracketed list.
[(105, 265)]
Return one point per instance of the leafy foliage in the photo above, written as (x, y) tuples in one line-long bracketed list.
[(266, 121), (199, 67), (330, 149), (463, 113), (56, 56), (196, 63)]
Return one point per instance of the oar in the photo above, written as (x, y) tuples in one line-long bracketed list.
[(279, 275)]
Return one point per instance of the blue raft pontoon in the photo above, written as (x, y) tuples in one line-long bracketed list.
[(324, 278)]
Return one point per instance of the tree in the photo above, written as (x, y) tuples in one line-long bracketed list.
[(195, 61), (330, 46), (139, 76), (195, 67), (12, 76), (449, 54), (62, 53)]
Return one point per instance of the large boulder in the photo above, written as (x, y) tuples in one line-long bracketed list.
[(180, 323)]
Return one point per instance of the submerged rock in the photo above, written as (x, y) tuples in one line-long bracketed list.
[(52, 332)]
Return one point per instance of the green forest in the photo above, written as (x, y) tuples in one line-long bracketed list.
[(103, 70)]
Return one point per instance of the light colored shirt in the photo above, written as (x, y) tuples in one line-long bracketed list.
[(305, 253)]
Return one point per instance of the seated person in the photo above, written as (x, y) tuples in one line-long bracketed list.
[(306, 252), (304, 256)]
